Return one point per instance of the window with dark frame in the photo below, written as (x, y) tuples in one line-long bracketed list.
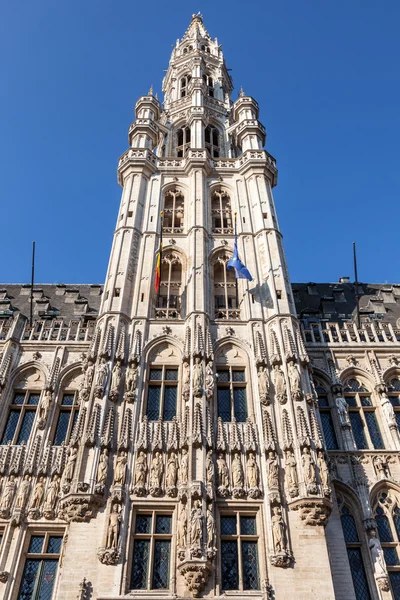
[(67, 417), (211, 138), (182, 141), (394, 397), (239, 552), (325, 412), (21, 417), (231, 394), (40, 569), (151, 556), (387, 517), (362, 415), (162, 393)]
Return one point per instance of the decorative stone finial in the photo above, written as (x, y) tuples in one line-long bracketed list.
[(150, 90), (241, 92)]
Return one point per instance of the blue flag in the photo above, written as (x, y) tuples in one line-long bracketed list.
[(241, 270)]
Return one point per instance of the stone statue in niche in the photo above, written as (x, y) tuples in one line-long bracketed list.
[(343, 410), (37, 496), (70, 466), (210, 467), (186, 381), (295, 380), (182, 527), (310, 477), (183, 467), (209, 380), (237, 476), (116, 376), (89, 374), (113, 527), (23, 492), (8, 497), (252, 471), (44, 407), (291, 473), (120, 468), (156, 473), (131, 377), (381, 467), (223, 473), (279, 384), (272, 471), (378, 558), (211, 550), (101, 377), (323, 470), (263, 385), (172, 469), (197, 377), (278, 531), (102, 467), (196, 526), (51, 497), (140, 474), (388, 410)]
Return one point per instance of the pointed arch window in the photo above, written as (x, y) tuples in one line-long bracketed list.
[(211, 138), (182, 141), (173, 211), (221, 212), (21, 417), (209, 84), (326, 418), (362, 415), (394, 397), (185, 84), (169, 298), (354, 551), (225, 290), (387, 517)]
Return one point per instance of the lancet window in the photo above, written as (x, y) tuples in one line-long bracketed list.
[(208, 81), (67, 417), (239, 552), (169, 298), (225, 289), (41, 565), (326, 418), (354, 551), (394, 397), (162, 393), (362, 415), (184, 85), (221, 212), (151, 551), (21, 417), (211, 138), (182, 141), (231, 394), (173, 211), (387, 517)]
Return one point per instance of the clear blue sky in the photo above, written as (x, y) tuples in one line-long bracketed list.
[(327, 79)]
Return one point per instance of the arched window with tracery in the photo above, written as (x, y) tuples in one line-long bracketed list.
[(169, 298), (211, 138), (185, 84), (387, 517), (394, 397), (221, 212), (362, 415), (352, 537), (225, 289), (173, 211), (182, 141), (325, 412), (67, 410), (209, 83)]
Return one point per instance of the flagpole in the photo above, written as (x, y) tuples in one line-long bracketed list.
[(160, 256), (236, 279), (356, 285), (32, 282)]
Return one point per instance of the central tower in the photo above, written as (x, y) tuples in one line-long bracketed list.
[(210, 393)]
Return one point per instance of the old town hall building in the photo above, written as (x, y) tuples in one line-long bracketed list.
[(216, 436)]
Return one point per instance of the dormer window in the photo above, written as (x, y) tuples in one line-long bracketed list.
[(182, 141), (211, 138), (209, 85), (184, 85)]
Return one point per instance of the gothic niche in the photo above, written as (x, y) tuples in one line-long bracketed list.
[(173, 211)]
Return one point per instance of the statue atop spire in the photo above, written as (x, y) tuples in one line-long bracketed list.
[(196, 28)]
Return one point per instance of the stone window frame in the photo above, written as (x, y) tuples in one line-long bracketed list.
[(361, 396), (221, 208), (162, 383), (231, 384), (322, 390), (385, 502), (178, 205), (184, 82), (228, 282), (60, 408), (22, 408), (164, 310), (214, 145), (183, 137)]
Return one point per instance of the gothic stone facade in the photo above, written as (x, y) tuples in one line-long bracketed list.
[(220, 437)]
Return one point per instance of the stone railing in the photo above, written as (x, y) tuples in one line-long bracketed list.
[(349, 333), (57, 331)]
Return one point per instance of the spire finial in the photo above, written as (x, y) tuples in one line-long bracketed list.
[(150, 90), (241, 92)]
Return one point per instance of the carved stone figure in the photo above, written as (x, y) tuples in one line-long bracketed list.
[(278, 531), (131, 377), (156, 471), (183, 467), (388, 410), (140, 470), (120, 468), (295, 380), (23, 492), (8, 494), (381, 467), (52, 494), (308, 467), (272, 471), (182, 527), (237, 471), (323, 469), (196, 525), (252, 471), (102, 467), (116, 376), (279, 384), (44, 405), (172, 468), (37, 495), (343, 410), (102, 374), (210, 528), (263, 385), (378, 558), (113, 527), (291, 470), (209, 380), (223, 473), (210, 467), (197, 377), (186, 381), (89, 373), (70, 466)]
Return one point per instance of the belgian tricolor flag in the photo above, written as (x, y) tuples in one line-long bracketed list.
[(158, 262)]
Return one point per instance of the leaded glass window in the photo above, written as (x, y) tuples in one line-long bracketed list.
[(40, 570), (363, 416), (67, 417), (21, 417), (151, 551), (394, 397), (387, 517), (354, 553), (239, 552), (328, 427), (162, 393), (231, 394)]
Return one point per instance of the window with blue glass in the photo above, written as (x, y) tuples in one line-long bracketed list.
[(162, 393), (387, 517), (328, 427), (239, 552), (67, 417), (40, 569), (354, 552), (231, 394), (21, 416), (151, 555), (394, 397), (363, 416)]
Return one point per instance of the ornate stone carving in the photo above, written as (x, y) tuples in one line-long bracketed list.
[(253, 476), (295, 380), (4, 576), (181, 534), (292, 482), (223, 475), (116, 378), (195, 573), (209, 380), (263, 385), (281, 556), (131, 377), (70, 466), (156, 473), (102, 470), (140, 473), (120, 468), (381, 467), (324, 473), (196, 529), (211, 549), (343, 410), (272, 471), (186, 381), (44, 407), (310, 478), (210, 468), (88, 370), (237, 476), (197, 378), (313, 511), (23, 492), (51, 497), (101, 378), (171, 475), (388, 410), (77, 508), (183, 467), (7, 497), (37, 497), (279, 384), (378, 561)]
